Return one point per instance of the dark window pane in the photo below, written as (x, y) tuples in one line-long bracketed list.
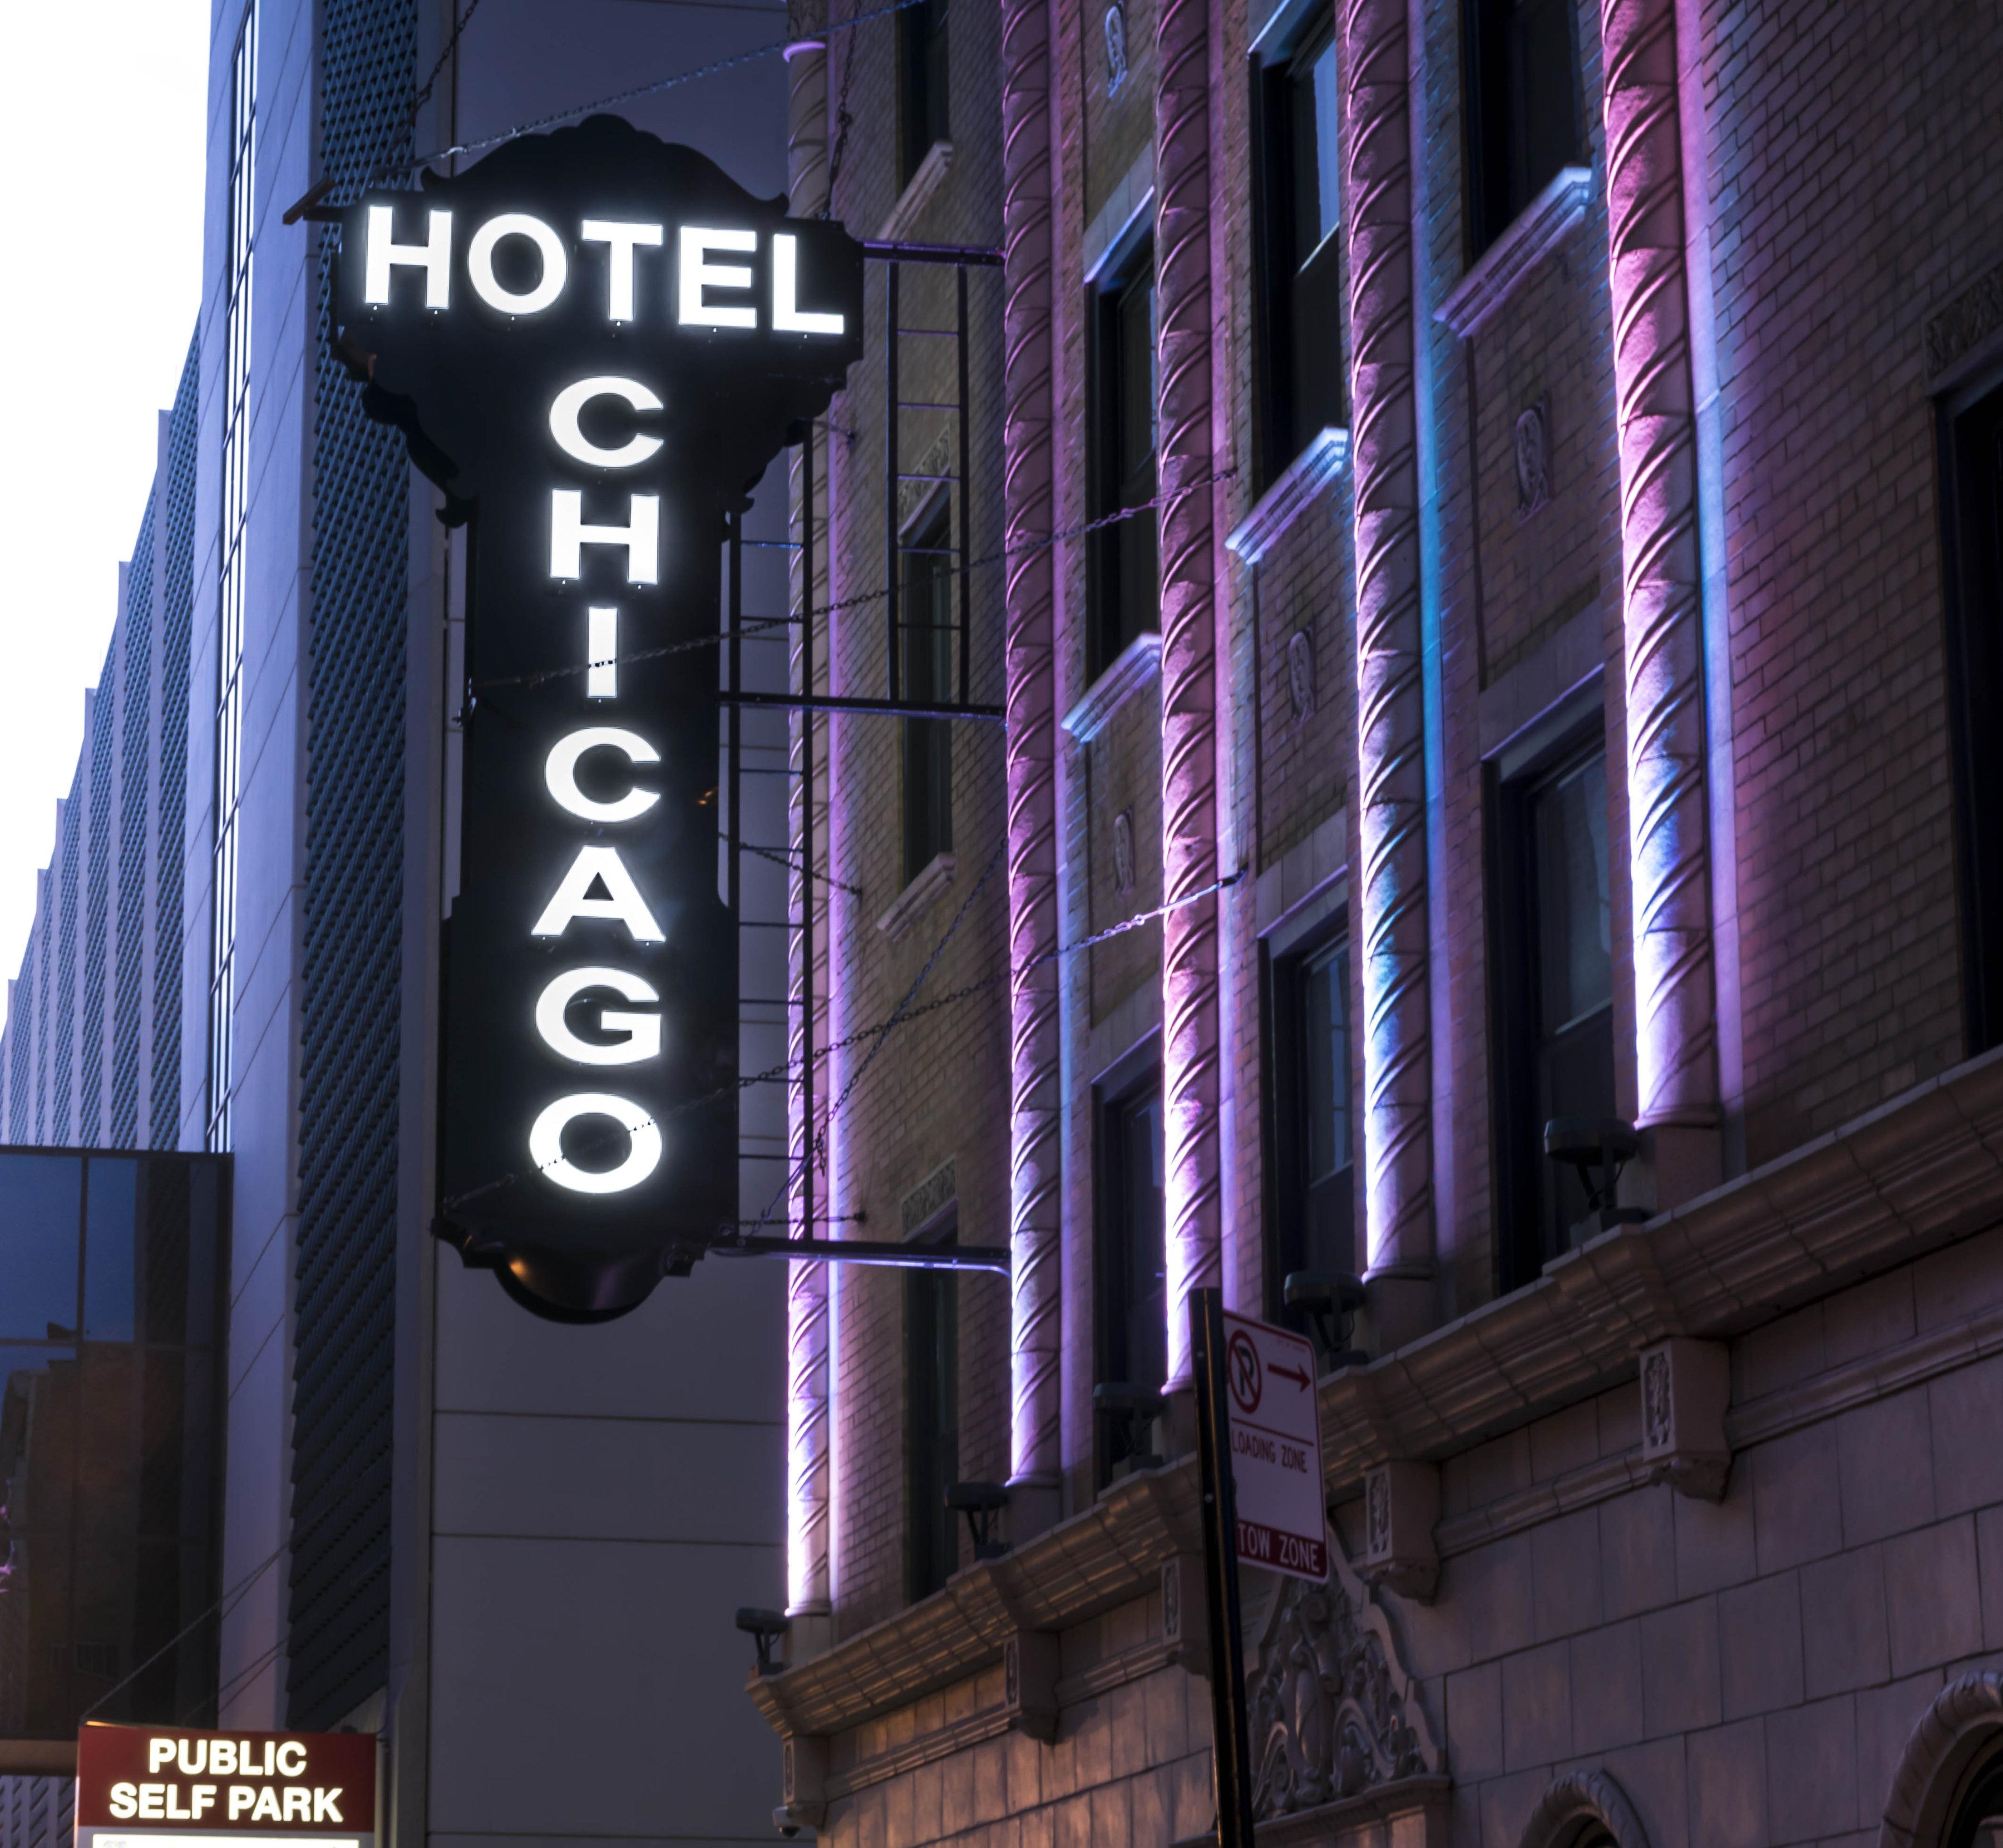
[(931, 1331), (1134, 1309), (41, 1202), (1546, 136), (1574, 907), (1317, 150), (1317, 345), (110, 1242), (923, 108), (1124, 569), (926, 613), (1522, 107)]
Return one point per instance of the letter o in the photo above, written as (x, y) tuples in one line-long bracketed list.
[(546, 1143), (560, 774), (570, 403), (479, 264), (643, 1031)]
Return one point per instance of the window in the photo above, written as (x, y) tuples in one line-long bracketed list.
[(1522, 99), (1974, 552), (1123, 399), (1132, 1289), (923, 83), (1554, 992), (1299, 176), (926, 645), (1978, 1814), (932, 1425), (1314, 1220)]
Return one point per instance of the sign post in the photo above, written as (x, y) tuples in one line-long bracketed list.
[(1258, 1465), (165, 1787), (594, 341)]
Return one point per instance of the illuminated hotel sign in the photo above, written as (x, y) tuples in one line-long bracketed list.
[(594, 342), (140, 1786)]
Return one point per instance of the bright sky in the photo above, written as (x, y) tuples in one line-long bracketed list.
[(101, 129)]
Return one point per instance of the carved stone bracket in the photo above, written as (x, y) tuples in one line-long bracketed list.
[(1401, 1504), (1332, 1712), (1029, 1683), (1686, 1388)]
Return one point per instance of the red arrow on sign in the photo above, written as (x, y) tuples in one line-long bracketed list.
[(1292, 1373)]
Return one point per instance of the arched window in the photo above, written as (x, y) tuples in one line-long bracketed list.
[(1584, 1809), (1948, 1790)]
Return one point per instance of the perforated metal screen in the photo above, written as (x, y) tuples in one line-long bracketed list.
[(340, 1591), (176, 617)]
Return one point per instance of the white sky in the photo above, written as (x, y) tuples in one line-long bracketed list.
[(101, 133)]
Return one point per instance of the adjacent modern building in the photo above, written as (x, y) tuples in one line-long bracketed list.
[(1482, 522)]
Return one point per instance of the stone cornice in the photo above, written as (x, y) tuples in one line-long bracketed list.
[(1137, 665), (1109, 1555), (1298, 487), (917, 195), (1918, 1172), (1915, 1174), (1531, 236)]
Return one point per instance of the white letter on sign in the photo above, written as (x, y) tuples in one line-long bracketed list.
[(786, 316), (623, 237), (642, 1031), (572, 441), (487, 286), (560, 773), (699, 274), (599, 866), (546, 1143), (569, 536), (434, 258)]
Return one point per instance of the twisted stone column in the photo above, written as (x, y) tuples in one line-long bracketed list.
[(1389, 893), (1036, 1320), (1190, 1071), (808, 1487), (1676, 1032)]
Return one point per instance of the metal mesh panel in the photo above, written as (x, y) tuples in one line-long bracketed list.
[(351, 966), (136, 686), (40, 942), (62, 1046), (96, 905), (36, 1812), (177, 615), (20, 1035)]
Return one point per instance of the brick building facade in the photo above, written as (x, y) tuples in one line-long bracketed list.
[(1484, 523)]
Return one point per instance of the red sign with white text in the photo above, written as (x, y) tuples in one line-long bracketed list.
[(1275, 1448), (165, 1787)]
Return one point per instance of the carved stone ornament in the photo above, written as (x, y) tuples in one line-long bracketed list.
[(1656, 1429), (1534, 457), (1124, 874), (1301, 676), (1115, 49), (1332, 1712)]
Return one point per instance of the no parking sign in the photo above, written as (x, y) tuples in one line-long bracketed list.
[(1275, 1448)]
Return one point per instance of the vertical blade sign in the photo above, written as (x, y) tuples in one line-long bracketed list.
[(594, 342)]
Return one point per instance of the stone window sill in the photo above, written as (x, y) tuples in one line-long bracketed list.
[(917, 196), (896, 924), (1299, 487), (1538, 229), (1139, 665)]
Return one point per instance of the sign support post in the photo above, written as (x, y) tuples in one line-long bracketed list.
[(1231, 1753)]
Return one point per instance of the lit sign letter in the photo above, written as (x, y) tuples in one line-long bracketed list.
[(699, 274), (546, 1143), (601, 650), (571, 401), (786, 316), (292, 1759), (642, 1031), (560, 773), (159, 1753), (124, 1800), (434, 258), (599, 866), (202, 1799), (487, 285), (326, 1805), (569, 536), (623, 237)]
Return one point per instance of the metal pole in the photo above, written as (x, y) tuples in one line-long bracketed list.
[(965, 499), (893, 557), (807, 449), (1230, 1754), (734, 888)]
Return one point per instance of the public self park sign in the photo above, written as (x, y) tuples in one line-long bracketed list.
[(595, 342)]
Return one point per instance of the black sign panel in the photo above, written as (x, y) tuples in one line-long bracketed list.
[(595, 342)]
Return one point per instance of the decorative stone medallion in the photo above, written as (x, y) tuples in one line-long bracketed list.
[(1533, 460), (1124, 876), (1301, 676), (1115, 25)]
